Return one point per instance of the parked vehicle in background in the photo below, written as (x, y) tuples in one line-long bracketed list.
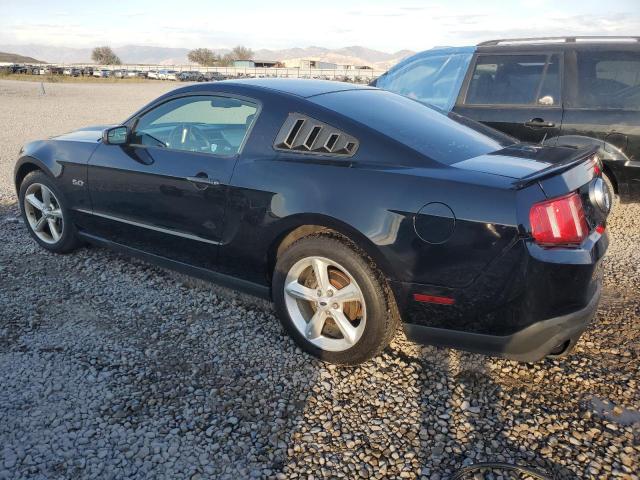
[(153, 74), (211, 77), (351, 207), (167, 74), (189, 76), (103, 73), (87, 71), (557, 91), (71, 71), (16, 68)]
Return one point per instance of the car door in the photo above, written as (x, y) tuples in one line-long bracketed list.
[(164, 191), (605, 104), (516, 93)]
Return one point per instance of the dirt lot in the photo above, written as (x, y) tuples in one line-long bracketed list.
[(113, 368)]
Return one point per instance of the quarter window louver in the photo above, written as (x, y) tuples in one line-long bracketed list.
[(312, 137), (294, 132), (305, 134), (331, 141)]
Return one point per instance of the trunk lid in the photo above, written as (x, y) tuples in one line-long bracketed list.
[(558, 171), (527, 163)]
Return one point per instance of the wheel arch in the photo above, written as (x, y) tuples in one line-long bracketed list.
[(303, 225), (25, 166), (612, 176), (612, 156)]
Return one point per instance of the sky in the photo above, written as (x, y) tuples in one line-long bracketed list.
[(383, 25)]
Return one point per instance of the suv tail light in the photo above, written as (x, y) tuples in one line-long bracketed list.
[(559, 221)]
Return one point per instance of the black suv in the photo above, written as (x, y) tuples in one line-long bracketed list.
[(559, 91)]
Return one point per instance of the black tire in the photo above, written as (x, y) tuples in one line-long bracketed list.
[(615, 199), (68, 240), (382, 318)]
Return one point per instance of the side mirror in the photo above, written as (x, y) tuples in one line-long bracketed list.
[(116, 135)]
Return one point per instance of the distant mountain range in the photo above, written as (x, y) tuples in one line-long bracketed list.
[(14, 58), (138, 54)]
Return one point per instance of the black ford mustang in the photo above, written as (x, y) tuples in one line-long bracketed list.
[(351, 207)]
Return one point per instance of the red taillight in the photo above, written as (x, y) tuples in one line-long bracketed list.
[(596, 170), (597, 166), (559, 221)]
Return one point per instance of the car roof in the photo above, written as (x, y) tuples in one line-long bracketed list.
[(559, 43), (296, 86), (519, 44), (431, 52), (568, 41), (444, 51)]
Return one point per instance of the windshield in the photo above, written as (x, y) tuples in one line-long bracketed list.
[(445, 139), (432, 77)]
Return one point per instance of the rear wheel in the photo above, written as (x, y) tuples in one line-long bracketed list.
[(45, 214), (333, 301)]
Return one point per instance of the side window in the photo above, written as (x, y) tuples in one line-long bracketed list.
[(609, 80), (433, 79), (515, 80), (205, 124)]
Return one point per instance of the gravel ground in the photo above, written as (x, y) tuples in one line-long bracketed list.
[(113, 368)]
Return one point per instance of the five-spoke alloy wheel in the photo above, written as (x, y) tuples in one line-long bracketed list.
[(45, 215), (325, 303), (332, 300)]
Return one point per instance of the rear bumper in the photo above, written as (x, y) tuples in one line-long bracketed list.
[(528, 345)]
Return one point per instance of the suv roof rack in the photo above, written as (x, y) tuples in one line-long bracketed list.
[(574, 39)]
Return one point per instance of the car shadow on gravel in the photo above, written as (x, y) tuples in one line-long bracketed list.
[(469, 421)]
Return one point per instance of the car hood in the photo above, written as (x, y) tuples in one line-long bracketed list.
[(525, 161), (86, 134)]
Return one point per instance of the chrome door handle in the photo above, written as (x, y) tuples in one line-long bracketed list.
[(204, 181), (539, 123)]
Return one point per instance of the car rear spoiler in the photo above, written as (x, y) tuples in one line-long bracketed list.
[(579, 157)]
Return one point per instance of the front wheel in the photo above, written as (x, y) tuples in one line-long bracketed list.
[(45, 213), (333, 301)]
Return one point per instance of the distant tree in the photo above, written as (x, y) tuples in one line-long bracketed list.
[(238, 53), (105, 56), (226, 60), (242, 53), (203, 56)]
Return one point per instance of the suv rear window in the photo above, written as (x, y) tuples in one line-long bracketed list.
[(515, 80), (439, 137), (609, 80)]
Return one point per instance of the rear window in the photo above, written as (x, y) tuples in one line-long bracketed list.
[(609, 80), (425, 129)]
